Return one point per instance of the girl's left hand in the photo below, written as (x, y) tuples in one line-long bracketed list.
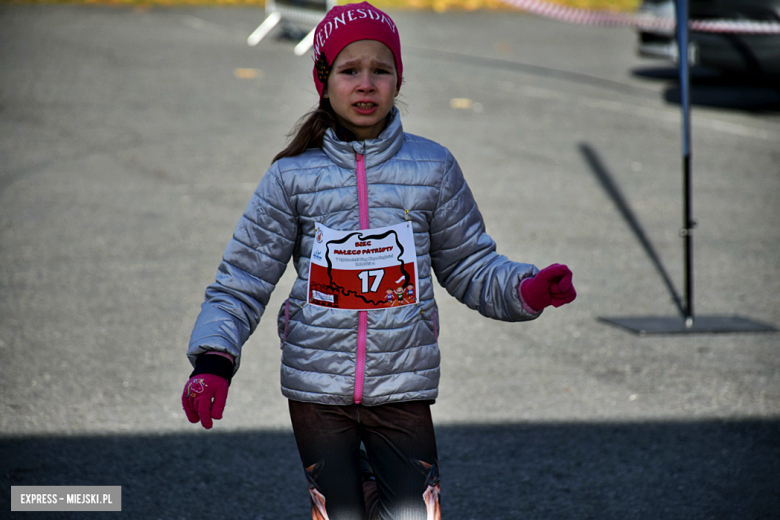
[(551, 286)]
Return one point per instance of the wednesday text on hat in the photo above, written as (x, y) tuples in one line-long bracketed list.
[(346, 17)]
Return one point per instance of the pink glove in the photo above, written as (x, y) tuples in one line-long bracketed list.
[(197, 398), (551, 286)]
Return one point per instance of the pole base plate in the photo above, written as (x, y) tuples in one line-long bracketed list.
[(646, 325)]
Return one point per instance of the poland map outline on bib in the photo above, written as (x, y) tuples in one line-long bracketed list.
[(367, 269)]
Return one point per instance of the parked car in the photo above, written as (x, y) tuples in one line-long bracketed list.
[(757, 54)]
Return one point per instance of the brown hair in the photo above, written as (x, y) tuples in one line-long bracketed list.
[(309, 130)]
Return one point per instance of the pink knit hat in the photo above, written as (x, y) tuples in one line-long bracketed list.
[(349, 23)]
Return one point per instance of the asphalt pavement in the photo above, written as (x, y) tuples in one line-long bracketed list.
[(132, 138)]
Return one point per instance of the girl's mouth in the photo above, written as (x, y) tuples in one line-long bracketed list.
[(365, 107)]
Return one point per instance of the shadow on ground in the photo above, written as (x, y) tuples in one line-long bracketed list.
[(611, 187), (713, 89), (707, 470)]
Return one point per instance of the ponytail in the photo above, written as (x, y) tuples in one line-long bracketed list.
[(309, 130)]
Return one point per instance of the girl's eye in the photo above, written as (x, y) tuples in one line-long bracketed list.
[(353, 71)]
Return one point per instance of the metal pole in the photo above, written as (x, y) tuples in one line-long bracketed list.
[(688, 222), (688, 235)]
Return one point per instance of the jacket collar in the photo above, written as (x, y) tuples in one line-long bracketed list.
[(376, 151)]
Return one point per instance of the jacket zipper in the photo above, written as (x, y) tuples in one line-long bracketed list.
[(286, 320), (435, 324), (362, 315)]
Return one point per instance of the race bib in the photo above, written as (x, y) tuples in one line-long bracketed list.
[(363, 270)]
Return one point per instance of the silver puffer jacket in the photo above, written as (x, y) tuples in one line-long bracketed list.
[(334, 356)]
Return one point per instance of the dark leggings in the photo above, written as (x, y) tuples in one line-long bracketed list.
[(401, 448)]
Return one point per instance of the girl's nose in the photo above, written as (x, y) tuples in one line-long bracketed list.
[(366, 84)]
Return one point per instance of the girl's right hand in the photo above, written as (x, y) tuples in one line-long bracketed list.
[(204, 398)]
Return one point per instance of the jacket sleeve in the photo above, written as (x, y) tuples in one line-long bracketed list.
[(464, 257), (252, 264)]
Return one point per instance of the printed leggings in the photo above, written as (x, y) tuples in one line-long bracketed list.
[(401, 449)]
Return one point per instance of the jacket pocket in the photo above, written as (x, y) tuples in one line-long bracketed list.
[(283, 322)]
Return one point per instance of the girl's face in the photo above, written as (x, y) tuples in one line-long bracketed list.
[(362, 87)]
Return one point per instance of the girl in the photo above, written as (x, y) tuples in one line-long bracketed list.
[(366, 212)]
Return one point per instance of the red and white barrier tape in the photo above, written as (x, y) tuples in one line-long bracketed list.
[(642, 21)]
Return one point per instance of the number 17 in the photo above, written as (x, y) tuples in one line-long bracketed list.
[(364, 275)]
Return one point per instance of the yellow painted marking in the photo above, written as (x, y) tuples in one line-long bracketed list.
[(463, 103), (247, 73)]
